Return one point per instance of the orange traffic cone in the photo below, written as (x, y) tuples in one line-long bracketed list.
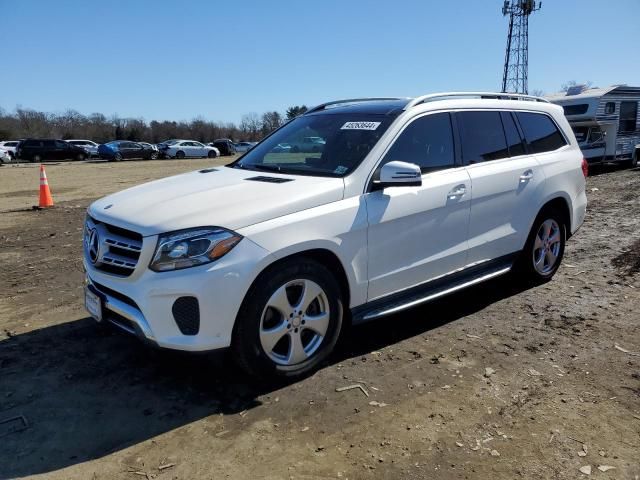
[(46, 200)]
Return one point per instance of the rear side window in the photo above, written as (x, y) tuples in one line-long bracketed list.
[(427, 142), (48, 144), (32, 143), (514, 141), (540, 132), (482, 136)]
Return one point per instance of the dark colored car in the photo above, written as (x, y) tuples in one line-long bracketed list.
[(124, 150), (37, 150), (225, 146)]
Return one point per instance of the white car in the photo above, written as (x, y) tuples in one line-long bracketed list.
[(10, 146), (90, 146), (242, 147), (189, 148), (5, 157), (409, 200)]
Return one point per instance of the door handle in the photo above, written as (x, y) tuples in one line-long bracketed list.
[(457, 191), (526, 176)]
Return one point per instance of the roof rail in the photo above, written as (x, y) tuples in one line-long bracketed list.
[(499, 96), (322, 106)]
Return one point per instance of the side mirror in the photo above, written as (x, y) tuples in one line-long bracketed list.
[(400, 174)]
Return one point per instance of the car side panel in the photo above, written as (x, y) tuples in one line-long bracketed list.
[(339, 227), (503, 205)]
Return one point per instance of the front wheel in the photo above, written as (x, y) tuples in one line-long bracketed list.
[(154, 156), (180, 155), (117, 157), (289, 321), (211, 154), (36, 158), (543, 252)]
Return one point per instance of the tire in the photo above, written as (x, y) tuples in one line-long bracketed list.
[(633, 163), (36, 158), (211, 154), (268, 327), (295, 149), (544, 250), (154, 156), (80, 157), (117, 157), (180, 154)]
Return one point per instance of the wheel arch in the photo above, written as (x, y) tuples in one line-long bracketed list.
[(561, 204)]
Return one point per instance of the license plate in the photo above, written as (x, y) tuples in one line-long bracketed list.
[(93, 304)]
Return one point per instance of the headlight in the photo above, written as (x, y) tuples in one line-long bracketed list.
[(192, 247)]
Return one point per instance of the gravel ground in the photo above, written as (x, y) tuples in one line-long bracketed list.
[(493, 382)]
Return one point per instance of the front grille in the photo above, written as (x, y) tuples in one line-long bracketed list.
[(115, 250)]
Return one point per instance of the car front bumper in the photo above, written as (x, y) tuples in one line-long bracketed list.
[(144, 303)]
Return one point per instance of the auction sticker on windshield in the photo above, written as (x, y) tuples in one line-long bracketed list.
[(360, 126)]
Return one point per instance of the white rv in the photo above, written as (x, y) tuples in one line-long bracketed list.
[(605, 121)]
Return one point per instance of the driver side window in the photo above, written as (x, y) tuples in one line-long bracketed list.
[(426, 142)]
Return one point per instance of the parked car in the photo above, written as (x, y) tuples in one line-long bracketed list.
[(411, 200), (37, 150), (189, 148), (10, 146), (242, 147), (282, 148), (161, 146), (224, 146), (4, 156), (125, 150), (308, 145), (90, 146)]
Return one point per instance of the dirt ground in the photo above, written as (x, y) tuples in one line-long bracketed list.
[(495, 382)]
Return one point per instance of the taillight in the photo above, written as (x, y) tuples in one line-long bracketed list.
[(585, 168)]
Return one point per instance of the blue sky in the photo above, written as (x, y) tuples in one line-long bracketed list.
[(175, 60)]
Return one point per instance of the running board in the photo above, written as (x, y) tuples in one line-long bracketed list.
[(403, 301)]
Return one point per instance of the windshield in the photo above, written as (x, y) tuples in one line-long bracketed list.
[(331, 145)]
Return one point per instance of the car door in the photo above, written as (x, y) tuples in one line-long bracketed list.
[(199, 150), (504, 179), (417, 234)]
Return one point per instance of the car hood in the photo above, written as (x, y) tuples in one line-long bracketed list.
[(222, 196)]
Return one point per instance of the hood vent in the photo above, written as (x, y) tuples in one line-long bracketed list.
[(208, 170), (269, 179)]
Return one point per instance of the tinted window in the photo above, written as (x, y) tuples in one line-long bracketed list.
[(60, 144), (541, 133), (514, 141), (610, 107), (482, 136), (576, 109), (32, 143), (48, 143), (427, 142), (628, 116)]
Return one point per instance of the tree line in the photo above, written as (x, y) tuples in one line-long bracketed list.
[(28, 123)]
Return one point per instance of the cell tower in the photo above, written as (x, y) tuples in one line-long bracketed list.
[(516, 59)]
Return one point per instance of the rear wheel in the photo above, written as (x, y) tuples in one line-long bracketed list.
[(154, 156), (36, 158), (211, 154), (543, 252), (117, 157), (289, 321), (80, 157), (180, 154)]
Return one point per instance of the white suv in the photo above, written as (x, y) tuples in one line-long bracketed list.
[(409, 200)]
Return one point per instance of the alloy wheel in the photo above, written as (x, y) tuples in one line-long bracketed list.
[(294, 322), (546, 247)]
